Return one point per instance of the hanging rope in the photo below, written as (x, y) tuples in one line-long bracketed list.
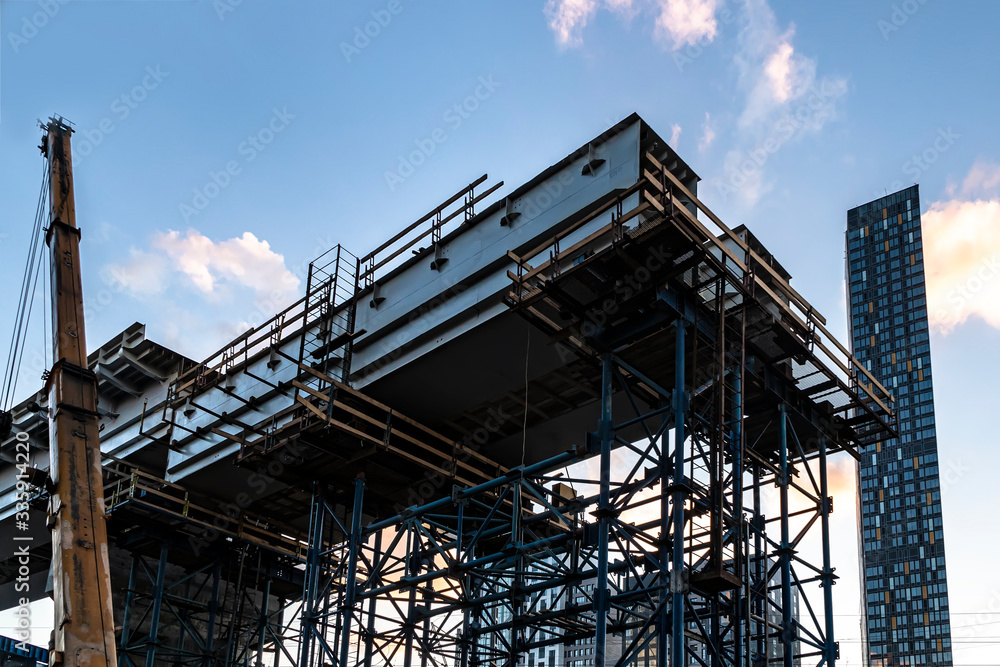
[(29, 285)]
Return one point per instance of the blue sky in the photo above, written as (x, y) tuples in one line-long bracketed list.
[(221, 145)]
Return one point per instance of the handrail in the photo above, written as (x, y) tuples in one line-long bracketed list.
[(275, 330), (372, 262), (812, 316), (807, 326), (146, 490)]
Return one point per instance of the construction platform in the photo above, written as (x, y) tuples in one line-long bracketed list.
[(392, 452)]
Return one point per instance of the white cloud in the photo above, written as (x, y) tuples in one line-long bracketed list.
[(962, 253), (246, 261), (143, 274), (675, 135), (623, 7), (686, 22), (746, 177), (778, 80), (707, 134), (785, 100), (211, 267), (199, 293), (678, 23), (982, 179), (568, 18), (780, 70)]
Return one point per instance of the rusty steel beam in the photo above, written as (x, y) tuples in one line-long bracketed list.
[(84, 633)]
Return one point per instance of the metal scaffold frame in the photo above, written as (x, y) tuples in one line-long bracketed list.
[(692, 566), (657, 535), (459, 580)]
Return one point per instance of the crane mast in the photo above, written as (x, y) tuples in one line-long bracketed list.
[(84, 633)]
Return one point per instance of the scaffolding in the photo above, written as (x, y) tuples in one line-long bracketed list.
[(713, 380)]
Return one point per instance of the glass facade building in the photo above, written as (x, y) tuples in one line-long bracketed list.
[(905, 588)]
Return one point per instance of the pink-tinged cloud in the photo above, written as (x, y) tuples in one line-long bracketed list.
[(780, 81), (678, 23), (568, 18), (781, 71), (962, 256), (686, 22), (982, 180), (211, 267), (144, 273), (675, 135), (245, 260), (707, 134)]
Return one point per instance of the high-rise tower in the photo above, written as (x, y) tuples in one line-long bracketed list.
[(902, 548)]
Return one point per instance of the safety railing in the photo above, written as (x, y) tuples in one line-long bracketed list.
[(660, 192), (810, 323), (134, 488), (454, 211)]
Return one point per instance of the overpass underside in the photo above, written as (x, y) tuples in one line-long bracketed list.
[(575, 441)]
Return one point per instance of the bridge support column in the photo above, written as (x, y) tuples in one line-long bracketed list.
[(678, 583)]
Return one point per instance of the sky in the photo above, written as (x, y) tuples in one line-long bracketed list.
[(223, 144)]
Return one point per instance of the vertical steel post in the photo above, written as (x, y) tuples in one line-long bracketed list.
[(182, 628), (236, 615), (127, 616), (412, 569), (785, 553), (427, 596), (518, 598), (213, 611), (830, 651), (372, 601), (466, 636), (311, 581), (154, 614), (662, 624), (351, 585), (606, 434), (737, 463), (263, 622), (761, 569), (677, 583)]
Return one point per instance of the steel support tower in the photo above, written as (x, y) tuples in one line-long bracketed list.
[(616, 435)]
